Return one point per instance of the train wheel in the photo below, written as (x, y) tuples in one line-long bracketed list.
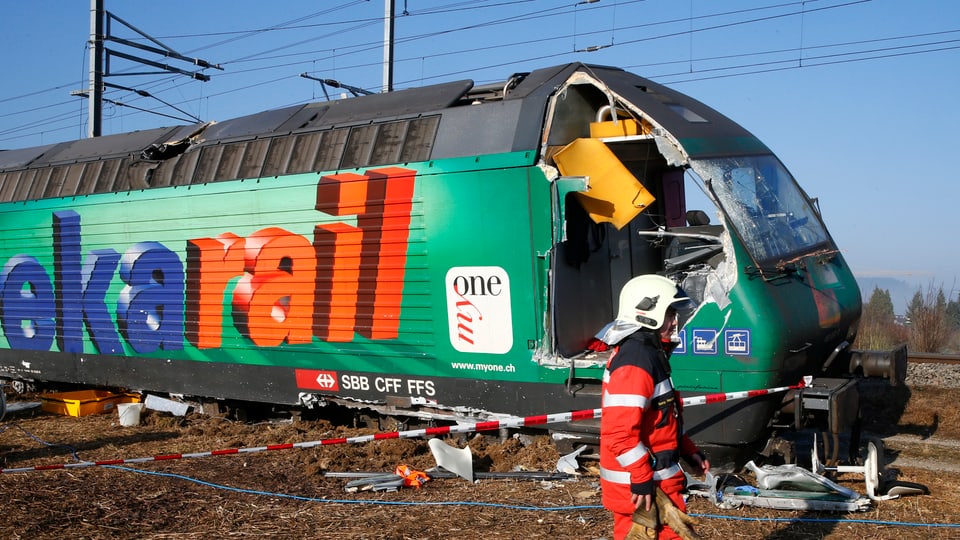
[(22, 387)]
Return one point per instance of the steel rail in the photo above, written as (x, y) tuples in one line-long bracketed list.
[(932, 358)]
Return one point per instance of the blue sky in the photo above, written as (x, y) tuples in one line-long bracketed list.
[(857, 97)]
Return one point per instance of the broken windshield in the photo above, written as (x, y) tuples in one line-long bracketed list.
[(763, 203)]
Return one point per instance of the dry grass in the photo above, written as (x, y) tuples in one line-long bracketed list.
[(289, 497)]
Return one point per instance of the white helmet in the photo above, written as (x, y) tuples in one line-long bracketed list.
[(644, 300)]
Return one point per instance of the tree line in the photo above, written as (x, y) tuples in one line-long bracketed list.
[(931, 323)]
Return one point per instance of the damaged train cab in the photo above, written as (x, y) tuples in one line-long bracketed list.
[(663, 184), (446, 253)]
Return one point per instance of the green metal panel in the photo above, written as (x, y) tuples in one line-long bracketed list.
[(490, 213), (702, 146), (783, 324)]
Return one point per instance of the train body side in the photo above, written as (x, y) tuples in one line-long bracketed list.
[(447, 252), (385, 284)]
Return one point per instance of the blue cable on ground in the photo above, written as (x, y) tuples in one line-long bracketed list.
[(525, 508), (73, 451), (352, 501), (473, 503)]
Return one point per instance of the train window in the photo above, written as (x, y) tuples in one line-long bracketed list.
[(764, 204), (39, 184), (419, 140), (23, 186), (359, 146), (230, 159), (8, 185), (304, 151), (183, 172), (88, 181), (72, 181), (330, 149), (108, 176), (744, 186), (252, 162), (278, 156), (389, 143), (207, 165), (55, 184)]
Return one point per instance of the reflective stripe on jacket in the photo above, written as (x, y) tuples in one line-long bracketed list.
[(640, 420)]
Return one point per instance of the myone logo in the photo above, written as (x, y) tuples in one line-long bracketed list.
[(478, 309)]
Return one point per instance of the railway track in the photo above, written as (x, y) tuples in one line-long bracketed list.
[(933, 358)]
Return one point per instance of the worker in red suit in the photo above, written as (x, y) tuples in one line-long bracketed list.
[(641, 427)]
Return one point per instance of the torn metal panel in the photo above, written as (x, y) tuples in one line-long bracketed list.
[(456, 460), (720, 281), (795, 478), (671, 151), (780, 500), (820, 496), (667, 144)]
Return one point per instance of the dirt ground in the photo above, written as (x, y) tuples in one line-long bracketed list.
[(289, 493)]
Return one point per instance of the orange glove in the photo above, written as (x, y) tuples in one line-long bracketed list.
[(411, 477)]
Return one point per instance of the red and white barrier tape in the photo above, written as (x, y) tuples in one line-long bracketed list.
[(492, 425), (717, 398)]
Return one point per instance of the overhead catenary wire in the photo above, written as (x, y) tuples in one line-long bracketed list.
[(537, 13), (689, 76), (516, 18), (563, 53), (622, 29), (289, 25)]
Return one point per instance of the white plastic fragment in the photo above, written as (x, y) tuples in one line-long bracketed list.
[(157, 403)]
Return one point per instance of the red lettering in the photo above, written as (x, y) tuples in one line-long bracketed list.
[(349, 280), (338, 250), (386, 226), (337, 247), (360, 290), (211, 264), (464, 328), (273, 302)]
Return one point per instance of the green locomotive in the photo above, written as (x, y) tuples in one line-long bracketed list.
[(445, 252)]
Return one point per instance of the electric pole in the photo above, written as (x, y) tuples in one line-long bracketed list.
[(100, 33), (389, 6), (95, 91)]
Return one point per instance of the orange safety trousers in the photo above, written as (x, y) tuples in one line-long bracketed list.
[(672, 487)]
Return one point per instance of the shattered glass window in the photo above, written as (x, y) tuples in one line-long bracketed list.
[(765, 205)]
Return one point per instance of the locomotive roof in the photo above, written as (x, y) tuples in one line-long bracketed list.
[(453, 119), (507, 121)]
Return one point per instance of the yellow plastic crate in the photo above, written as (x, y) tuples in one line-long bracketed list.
[(615, 194), (84, 402), (624, 127)]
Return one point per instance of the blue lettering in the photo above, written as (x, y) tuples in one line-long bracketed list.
[(29, 306), (66, 277), (81, 290), (98, 271), (150, 310)]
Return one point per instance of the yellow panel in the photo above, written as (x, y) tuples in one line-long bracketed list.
[(615, 195), (622, 128)]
